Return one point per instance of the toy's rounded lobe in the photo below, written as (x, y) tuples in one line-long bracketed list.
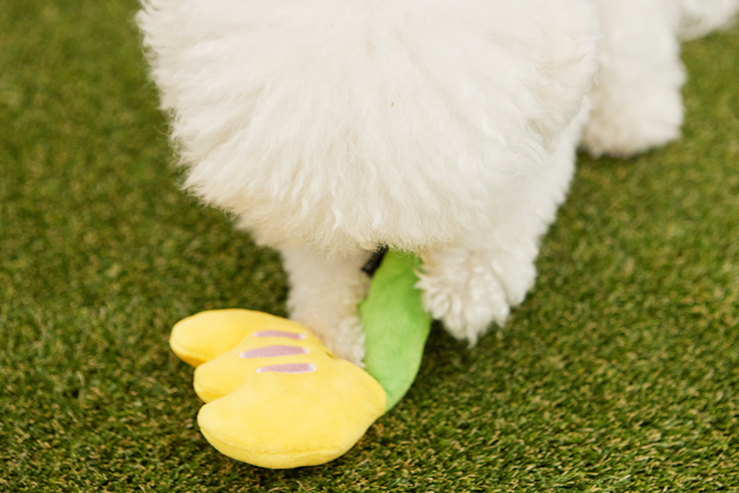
[(205, 335), (284, 420)]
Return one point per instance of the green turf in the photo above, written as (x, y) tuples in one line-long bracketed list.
[(619, 373)]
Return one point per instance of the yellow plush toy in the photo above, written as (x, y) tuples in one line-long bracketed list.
[(276, 397)]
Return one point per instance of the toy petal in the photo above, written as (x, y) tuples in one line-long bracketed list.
[(208, 334), (281, 419)]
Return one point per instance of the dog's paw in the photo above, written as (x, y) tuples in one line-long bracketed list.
[(467, 291), (342, 335), (635, 125)]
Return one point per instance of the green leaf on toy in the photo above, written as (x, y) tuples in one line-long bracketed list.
[(395, 325)]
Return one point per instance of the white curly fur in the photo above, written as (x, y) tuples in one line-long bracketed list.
[(445, 127), (636, 101)]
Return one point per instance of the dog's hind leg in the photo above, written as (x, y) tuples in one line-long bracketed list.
[(636, 101), (699, 17), (324, 295)]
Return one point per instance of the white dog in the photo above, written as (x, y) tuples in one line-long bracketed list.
[(443, 127)]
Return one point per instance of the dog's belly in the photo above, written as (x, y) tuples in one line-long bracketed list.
[(406, 210), (346, 124)]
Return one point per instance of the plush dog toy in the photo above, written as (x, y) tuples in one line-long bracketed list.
[(445, 128), (278, 398)]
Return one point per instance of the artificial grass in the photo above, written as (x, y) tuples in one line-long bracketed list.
[(620, 372)]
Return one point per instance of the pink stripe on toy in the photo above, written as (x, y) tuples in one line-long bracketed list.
[(279, 333), (273, 351), (289, 368)]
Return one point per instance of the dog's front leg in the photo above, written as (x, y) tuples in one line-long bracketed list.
[(324, 295)]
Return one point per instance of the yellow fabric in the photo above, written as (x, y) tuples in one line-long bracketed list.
[(204, 336), (271, 419)]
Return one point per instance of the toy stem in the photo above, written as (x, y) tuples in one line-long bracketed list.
[(395, 325)]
